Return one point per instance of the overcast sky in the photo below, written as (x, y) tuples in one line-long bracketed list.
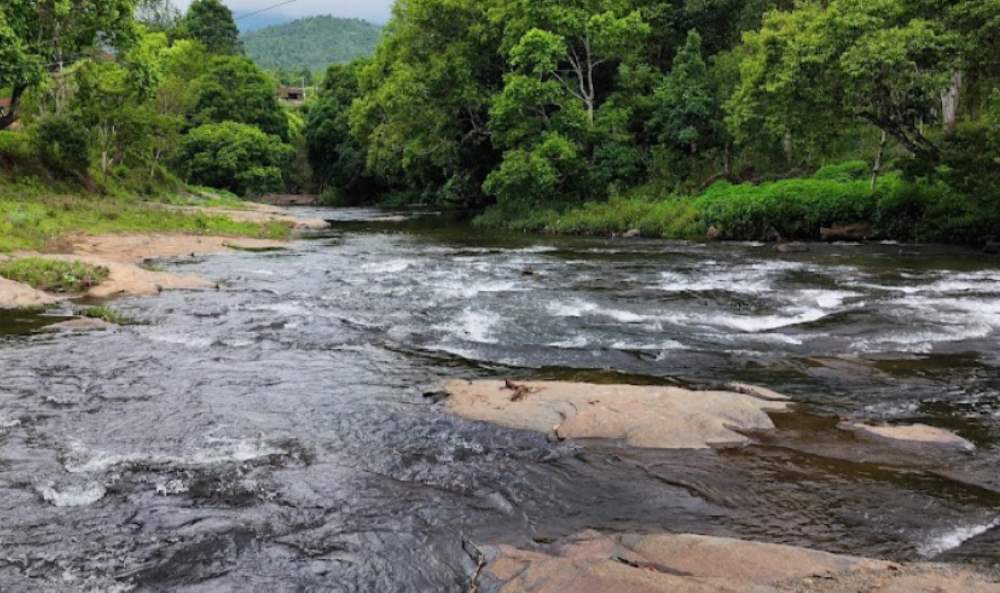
[(376, 11)]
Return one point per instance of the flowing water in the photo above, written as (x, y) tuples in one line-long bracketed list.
[(274, 435)]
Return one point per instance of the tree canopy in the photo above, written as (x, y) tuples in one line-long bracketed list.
[(211, 23)]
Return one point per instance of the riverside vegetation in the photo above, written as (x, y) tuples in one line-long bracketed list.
[(761, 119), (743, 120)]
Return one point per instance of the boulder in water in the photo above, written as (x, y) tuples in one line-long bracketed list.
[(643, 416), (911, 434), (793, 247), (847, 232)]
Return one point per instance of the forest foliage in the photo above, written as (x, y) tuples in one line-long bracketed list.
[(139, 97), (530, 107), (671, 116)]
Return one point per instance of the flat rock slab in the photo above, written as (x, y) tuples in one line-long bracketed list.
[(134, 248), (914, 434), (79, 325), (260, 214), (642, 416), (14, 295), (591, 562), (131, 280)]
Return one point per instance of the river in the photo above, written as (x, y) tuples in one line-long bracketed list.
[(274, 435)]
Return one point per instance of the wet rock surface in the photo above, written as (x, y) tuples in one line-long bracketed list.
[(684, 563), (14, 295), (650, 416), (912, 434)]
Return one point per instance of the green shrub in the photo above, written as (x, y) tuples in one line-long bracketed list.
[(15, 146), (53, 275), (846, 171), (62, 144), (104, 313), (234, 156), (793, 208)]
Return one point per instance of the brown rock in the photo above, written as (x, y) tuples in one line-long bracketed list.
[(135, 248), (14, 295), (131, 280), (642, 416), (80, 324), (916, 434), (846, 232), (793, 247), (590, 562)]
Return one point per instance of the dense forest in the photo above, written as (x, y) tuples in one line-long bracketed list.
[(756, 119), (684, 118), (311, 43), (140, 98)]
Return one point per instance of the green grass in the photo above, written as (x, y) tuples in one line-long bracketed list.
[(53, 275), (104, 313), (205, 197), (35, 215), (674, 217)]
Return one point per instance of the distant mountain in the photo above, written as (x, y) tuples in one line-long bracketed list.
[(313, 42), (259, 21)]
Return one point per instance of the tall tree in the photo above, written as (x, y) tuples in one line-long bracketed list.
[(211, 23), (157, 15), (810, 69), (234, 89), (575, 44), (40, 35), (687, 109), (425, 98)]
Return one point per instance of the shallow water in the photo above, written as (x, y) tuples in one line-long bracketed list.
[(273, 435)]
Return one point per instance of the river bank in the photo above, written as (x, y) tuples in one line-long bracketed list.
[(276, 430), (835, 204), (100, 233)]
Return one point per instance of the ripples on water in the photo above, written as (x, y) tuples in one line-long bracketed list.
[(272, 436)]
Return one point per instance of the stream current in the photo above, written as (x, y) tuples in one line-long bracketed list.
[(274, 435)]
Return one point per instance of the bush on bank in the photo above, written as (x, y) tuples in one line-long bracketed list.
[(923, 209)]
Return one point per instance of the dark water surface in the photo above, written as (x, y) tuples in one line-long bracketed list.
[(272, 436)]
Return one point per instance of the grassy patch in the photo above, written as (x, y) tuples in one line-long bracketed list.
[(34, 215), (104, 313), (53, 275), (790, 208), (205, 197)]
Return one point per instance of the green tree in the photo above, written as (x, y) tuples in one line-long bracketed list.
[(809, 70), (234, 156), (337, 158), (38, 35), (572, 43), (157, 15), (211, 23), (233, 88), (425, 97), (687, 109)]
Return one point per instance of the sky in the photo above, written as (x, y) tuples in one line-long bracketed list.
[(376, 11)]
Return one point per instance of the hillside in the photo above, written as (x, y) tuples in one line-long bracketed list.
[(313, 42)]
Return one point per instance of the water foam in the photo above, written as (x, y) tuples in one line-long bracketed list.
[(953, 538), (72, 495), (81, 460)]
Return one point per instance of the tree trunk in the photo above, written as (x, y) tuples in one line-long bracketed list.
[(950, 102), (8, 117), (877, 166)]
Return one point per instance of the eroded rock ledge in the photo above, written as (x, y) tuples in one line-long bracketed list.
[(642, 416), (591, 562)]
